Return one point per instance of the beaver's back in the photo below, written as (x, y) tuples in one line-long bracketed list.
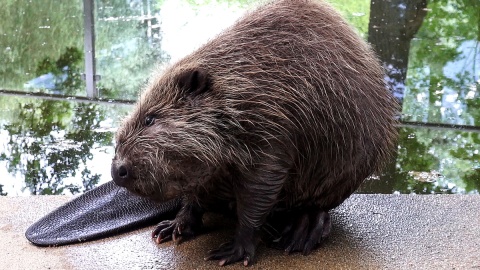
[(296, 76)]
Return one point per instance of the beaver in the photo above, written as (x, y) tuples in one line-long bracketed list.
[(287, 111)]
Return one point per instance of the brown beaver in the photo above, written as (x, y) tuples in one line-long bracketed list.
[(285, 110)]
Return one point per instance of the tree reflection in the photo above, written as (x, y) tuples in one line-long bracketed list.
[(414, 157), (468, 151), (431, 49), (472, 180), (420, 153), (392, 26), (128, 45), (443, 74), (431, 52), (51, 141), (66, 71)]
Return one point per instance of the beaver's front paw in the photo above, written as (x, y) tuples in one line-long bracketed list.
[(234, 251), (178, 230)]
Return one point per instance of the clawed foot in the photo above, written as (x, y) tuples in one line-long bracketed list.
[(185, 226), (307, 230), (231, 252), (172, 230), (242, 248)]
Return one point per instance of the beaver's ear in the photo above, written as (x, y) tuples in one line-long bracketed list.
[(193, 81)]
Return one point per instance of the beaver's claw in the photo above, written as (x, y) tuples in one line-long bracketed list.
[(231, 252), (175, 230)]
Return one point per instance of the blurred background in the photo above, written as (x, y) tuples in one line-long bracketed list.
[(70, 71)]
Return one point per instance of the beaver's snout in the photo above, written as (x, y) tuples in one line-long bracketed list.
[(121, 174)]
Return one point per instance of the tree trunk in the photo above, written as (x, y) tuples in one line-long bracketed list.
[(393, 24)]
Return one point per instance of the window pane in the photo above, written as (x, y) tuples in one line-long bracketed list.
[(41, 46)]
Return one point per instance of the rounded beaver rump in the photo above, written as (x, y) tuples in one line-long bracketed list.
[(284, 114)]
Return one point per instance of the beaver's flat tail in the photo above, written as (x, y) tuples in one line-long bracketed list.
[(101, 212)]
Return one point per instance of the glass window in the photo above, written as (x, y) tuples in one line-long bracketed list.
[(53, 140)]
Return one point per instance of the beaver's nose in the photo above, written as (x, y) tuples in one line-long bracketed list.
[(121, 174)]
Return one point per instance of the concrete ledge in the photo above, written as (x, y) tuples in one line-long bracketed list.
[(369, 232)]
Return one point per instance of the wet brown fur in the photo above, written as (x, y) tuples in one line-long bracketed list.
[(295, 111)]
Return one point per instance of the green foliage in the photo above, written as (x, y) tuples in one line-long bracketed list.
[(430, 161), (50, 141), (449, 34), (71, 57), (446, 28), (412, 154), (467, 151), (472, 180), (69, 65), (35, 34), (125, 53), (33, 31), (449, 152), (356, 13)]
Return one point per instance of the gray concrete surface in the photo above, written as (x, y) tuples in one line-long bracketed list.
[(369, 232)]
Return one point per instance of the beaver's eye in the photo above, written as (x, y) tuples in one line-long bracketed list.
[(149, 120)]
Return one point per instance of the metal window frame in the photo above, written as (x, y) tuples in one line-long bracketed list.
[(89, 48)]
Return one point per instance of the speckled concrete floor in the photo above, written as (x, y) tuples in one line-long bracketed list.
[(369, 232)]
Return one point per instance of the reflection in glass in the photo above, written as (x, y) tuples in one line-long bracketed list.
[(430, 49), (50, 145), (431, 161), (128, 45), (32, 34), (45, 151)]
